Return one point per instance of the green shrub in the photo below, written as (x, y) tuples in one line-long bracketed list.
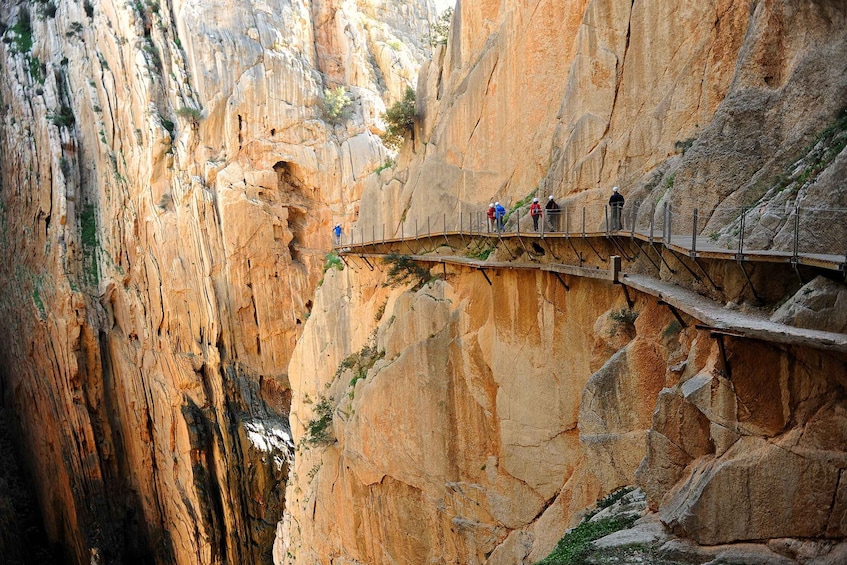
[(440, 30), (318, 428), (335, 105), (482, 254), (387, 165), (400, 120), (333, 261), (191, 114), (610, 499), (20, 34), (63, 118), (576, 543), (403, 270)]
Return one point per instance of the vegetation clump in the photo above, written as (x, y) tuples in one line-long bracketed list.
[(624, 320), (333, 261), (336, 105), (63, 118), (20, 34), (318, 430), (193, 115), (404, 270), (400, 120), (440, 29), (360, 363), (576, 545)]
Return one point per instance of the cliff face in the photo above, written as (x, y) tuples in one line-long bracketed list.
[(168, 176), (468, 422)]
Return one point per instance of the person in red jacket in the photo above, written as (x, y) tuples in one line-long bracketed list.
[(535, 213), (491, 212)]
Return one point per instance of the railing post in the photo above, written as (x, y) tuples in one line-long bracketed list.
[(796, 258), (428, 229), (402, 231), (741, 234), (444, 224), (694, 235), (543, 221), (568, 221), (652, 224), (461, 222), (606, 211), (670, 223), (417, 233), (383, 233), (583, 221), (373, 233), (632, 220), (519, 221)]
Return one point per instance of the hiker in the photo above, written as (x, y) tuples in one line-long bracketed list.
[(336, 231), (535, 213), (552, 214), (491, 217), (616, 204), (500, 213)]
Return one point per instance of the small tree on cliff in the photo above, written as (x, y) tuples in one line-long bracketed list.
[(440, 30), (400, 119), (336, 105)]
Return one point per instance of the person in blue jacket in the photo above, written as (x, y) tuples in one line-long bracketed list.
[(500, 214)]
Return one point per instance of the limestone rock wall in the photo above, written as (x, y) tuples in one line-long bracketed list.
[(706, 105), (167, 178), (485, 417), (466, 422)]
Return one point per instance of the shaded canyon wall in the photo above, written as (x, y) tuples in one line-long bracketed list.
[(167, 177)]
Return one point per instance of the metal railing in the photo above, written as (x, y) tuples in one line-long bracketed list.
[(744, 232)]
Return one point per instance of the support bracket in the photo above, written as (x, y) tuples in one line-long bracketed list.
[(486, 276), (750, 282), (674, 311), (718, 334), (629, 302)]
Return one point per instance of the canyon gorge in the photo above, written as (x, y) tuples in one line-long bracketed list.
[(192, 375)]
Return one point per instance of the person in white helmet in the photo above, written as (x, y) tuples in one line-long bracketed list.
[(535, 213), (491, 212), (553, 211), (616, 204)]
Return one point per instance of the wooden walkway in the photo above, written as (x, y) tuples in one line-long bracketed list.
[(711, 315), (703, 247)]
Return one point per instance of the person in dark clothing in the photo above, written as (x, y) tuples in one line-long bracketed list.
[(616, 204), (553, 212), (535, 213)]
